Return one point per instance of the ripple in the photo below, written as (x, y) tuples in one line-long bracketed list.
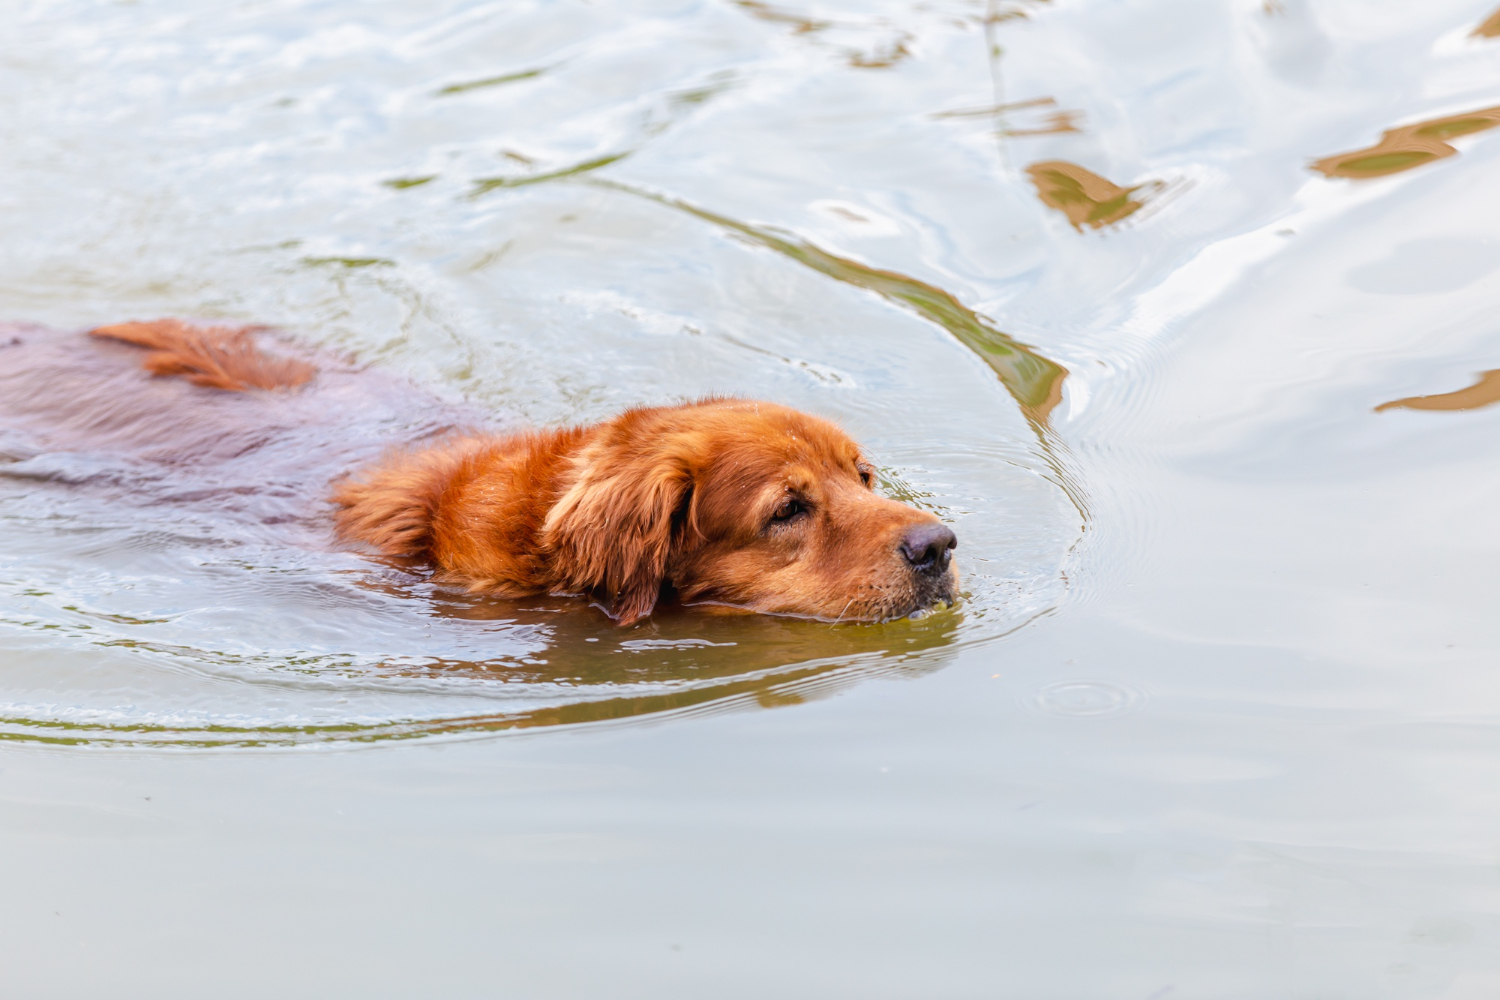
[(1086, 699)]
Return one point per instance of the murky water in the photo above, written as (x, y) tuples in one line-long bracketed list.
[(1182, 312)]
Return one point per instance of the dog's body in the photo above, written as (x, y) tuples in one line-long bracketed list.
[(727, 502)]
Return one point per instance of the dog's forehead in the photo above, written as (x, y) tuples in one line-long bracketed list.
[(761, 450), (791, 436)]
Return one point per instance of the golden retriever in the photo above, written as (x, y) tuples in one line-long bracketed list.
[(728, 503)]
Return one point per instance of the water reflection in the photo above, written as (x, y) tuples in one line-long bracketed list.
[(868, 44), (1489, 27), (1482, 393), (1084, 197), (802, 24), (483, 185), (1408, 146), (489, 81), (750, 652), (580, 671), (882, 58), (998, 12), (1034, 381), (1050, 120)]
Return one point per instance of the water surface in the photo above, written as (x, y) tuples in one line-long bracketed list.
[(1181, 312)]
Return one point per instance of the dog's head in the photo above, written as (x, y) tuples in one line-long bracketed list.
[(746, 504)]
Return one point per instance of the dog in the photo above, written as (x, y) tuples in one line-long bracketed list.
[(731, 504)]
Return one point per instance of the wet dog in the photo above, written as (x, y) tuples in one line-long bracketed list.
[(731, 503)]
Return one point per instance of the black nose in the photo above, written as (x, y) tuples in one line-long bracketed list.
[(929, 547)]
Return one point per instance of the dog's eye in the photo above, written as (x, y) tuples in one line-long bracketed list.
[(866, 474), (788, 509)]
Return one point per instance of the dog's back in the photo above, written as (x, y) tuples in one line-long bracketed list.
[(215, 357), (164, 411)]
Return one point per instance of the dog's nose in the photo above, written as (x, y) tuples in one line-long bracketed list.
[(929, 547)]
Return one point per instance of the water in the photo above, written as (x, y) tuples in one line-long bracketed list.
[(1123, 290)]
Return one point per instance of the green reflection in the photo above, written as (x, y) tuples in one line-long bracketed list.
[(483, 185), (719, 83), (115, 619), (351, 262), (489, 81), (1033, 380)]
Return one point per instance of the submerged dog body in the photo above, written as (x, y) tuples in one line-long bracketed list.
[(730, 502)]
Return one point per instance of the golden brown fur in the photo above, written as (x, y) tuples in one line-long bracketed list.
[(680, 496), (727, 502), (217, 357)]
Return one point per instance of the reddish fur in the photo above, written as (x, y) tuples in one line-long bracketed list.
[(674, 496), (677, 497), (218, 357)]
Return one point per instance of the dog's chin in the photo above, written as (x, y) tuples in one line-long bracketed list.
[(915, 608), (926, 597)]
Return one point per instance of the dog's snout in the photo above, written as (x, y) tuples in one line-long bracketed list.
[(929, 547)]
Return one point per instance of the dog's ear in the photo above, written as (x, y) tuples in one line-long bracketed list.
[(615, 530)]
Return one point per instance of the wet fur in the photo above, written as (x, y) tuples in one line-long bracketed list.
[(215, 357), (657, 499)]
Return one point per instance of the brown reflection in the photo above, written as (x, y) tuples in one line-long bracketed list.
[(881, 58), (686, 646), (1489, 27), (1051, 123), (1083, 196), (685, 660), (1482, 393), (997, 13), (1057, 122), (800, 23), (997, 109), (1408, 146)]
